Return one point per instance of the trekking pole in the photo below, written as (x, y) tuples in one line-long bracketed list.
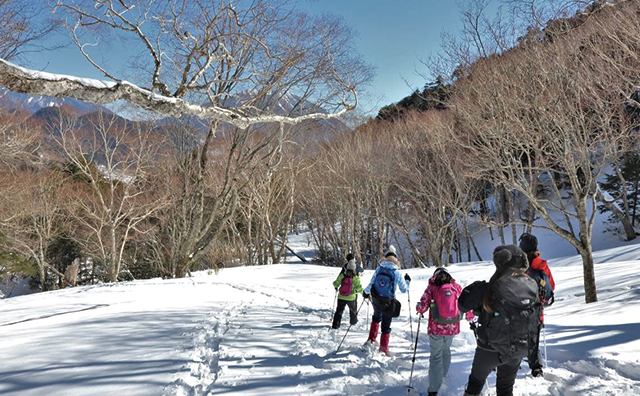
[(413, 361), (544, 337), (410, 321), (367, 321), (333, 307), (349, 328)]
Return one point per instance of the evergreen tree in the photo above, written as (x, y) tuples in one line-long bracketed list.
[(433, 96), (630, 170)]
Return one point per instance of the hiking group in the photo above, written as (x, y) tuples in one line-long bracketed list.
[(505, 313)]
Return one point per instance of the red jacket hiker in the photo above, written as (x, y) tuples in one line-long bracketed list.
[(541, 265)]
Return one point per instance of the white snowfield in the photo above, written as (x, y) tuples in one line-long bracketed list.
[(264, 331)]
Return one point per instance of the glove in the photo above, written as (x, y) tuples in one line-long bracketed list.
[(473, 326), (365, 294), (407, 277)]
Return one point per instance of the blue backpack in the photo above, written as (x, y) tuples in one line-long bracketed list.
[(384, 284)]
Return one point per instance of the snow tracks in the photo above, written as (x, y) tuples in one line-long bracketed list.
[(270, 344)]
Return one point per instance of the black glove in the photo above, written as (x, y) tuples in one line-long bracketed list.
[(473, 326), (365, 294), (407, 277)]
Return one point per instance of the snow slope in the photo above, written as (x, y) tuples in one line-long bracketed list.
[(264, 331)]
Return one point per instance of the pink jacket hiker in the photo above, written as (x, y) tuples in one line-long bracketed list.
[(436, 328)]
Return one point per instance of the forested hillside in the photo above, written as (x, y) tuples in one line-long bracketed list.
[(531, 128)]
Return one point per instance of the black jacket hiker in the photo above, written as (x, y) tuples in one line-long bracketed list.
[(508, 310)]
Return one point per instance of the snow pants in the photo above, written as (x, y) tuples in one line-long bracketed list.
[(439, 359), (353, 312), (535, 360), (379, 317), (484, 362)]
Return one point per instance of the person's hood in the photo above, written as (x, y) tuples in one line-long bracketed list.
[(538, 264), (388, 264)]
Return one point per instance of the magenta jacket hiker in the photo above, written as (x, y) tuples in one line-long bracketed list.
[(436, 328)]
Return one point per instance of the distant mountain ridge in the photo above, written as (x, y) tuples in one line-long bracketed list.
[(43, 109), (10, 101)]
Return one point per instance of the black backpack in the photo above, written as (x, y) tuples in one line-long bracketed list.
[(517, 315)]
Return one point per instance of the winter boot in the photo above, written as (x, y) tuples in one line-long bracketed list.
[(537, 372), (373, 332), (432, 394), (384, 343)]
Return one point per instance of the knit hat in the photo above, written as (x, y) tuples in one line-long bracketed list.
[(391, 252), (351, 265), (528, 243), (438, 270), (441, 276), (509, 256)]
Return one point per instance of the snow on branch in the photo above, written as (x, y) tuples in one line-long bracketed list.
[(20, 79)]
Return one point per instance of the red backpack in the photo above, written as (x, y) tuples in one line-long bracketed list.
[(445, 310)]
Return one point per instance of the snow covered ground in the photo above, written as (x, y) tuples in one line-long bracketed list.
[(264, 331)]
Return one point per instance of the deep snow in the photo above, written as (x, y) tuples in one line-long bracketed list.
[(264, 331)]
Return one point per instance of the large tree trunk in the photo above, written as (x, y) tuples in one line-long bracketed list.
[(589, 276)]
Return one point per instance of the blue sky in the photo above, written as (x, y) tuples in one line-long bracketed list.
[(392, 37)]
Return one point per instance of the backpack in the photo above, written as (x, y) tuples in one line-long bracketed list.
[(346, 286), (544, 286), (384, 284), (444, 309), (517, 315)]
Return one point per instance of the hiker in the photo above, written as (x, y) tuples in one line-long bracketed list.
[(382, 290), (509, 309), (441, 299), (350, 257), (348, 287), (540, 272)]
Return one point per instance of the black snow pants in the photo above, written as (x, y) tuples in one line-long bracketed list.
[(353, 312), (535, 360), (484, 362)]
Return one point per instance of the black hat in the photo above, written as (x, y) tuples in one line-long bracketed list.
[(509, 256), (528, 243)]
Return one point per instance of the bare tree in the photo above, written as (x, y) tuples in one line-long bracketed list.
[(239, 58), (114, 163), (250, 63), (557, 115), (344, 199), (433, 189), (32, 214), (23, 24), (18, 142)]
